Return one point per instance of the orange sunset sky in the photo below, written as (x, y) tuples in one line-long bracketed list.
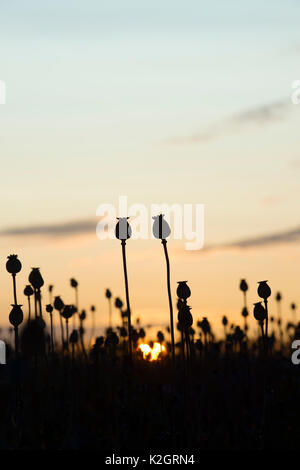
[(164, 102)]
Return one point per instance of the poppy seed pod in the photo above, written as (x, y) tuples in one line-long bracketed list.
[(28, 291), (50, 288), (82, 316), (205, 326), (185, 318), (183, 290), (58, 303), (67, 312), (13, 265), (263, 290), (107, 294), (74, 337), (49, 308), (224, 320), (243, 285), (73, 282), (180, 303), (278, 297), (93, 308), (16, 315), (35, 278), (160, 228), (259, 312), (123, 229), (118, 303), (245, 312)]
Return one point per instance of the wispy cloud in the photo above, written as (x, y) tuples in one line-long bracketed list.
[(259, 115), (287, 236), (76, 227)]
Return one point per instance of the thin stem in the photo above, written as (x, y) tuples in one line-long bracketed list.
[(16, 340), (267, 320), (164, 242), (123, 243), (29, 309), (51, 326), (67, 328), (77, 308), (40, 302), (61, 329), (109, 313), (35, 303), (15, 288)]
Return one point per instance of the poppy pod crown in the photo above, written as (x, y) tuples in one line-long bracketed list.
[(224, 320), (28, 291), (123, 230), (245, 312), (73, 282), (13, 264), (16, 315), (58, 303), (108, 294), (259, 312), (35, 278), (263, 290), (160, 228), (185, 317), (74, 337), (183, 290), (67, 312)]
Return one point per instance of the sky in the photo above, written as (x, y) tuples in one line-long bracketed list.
[(165, 102)]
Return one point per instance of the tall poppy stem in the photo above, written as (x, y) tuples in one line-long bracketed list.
[(109, 313), (67, 330), (164, 242), (61, 329), (16, 340), (266, 332), (29, 309), (35, 302), (51, 326), (123, 243), (15, 288)]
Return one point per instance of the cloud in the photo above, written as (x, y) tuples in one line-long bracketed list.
[(76, 227), (259, 115), (288, 236)]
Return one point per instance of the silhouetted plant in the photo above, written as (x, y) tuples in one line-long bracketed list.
[(49, 309), (14, 266), (74, 285), (59, 305), (73, 341), (36, 280), (161, 230), (183, 290), (225, 323), (264, 292), (123, 233), (50, 290), (28, 291), (260, 315), (293, 309), (15, 319), (82, 317), (108, 295)]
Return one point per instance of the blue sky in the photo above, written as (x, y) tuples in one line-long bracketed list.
[(99, 90)]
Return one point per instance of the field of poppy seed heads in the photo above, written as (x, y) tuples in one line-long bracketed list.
[(115, 393)]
